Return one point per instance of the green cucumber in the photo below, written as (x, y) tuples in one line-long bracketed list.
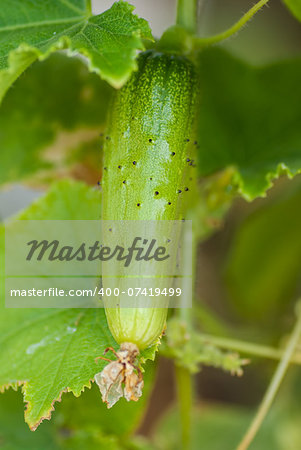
[(148, 165)]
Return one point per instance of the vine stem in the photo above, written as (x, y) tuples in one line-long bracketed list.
[(184, 392), (232, 30), (274, 384), (249, 348), (89, 7), (184, 380), (187, 14)]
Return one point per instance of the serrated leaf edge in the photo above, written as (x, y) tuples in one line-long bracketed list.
[(64, 43), (270, 178), (28, 405)]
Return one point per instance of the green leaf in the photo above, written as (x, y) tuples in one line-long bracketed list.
[(249, 120), (295, 7), (65, 431), (14, 433), (51, 351), (66, 200), (34, 29), (55, 109), (264, 266)]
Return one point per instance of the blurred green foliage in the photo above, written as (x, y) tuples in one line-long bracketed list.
[(264, 264), (77, 424), (295, 7), (56, 95)]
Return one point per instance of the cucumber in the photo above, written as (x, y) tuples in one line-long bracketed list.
[(148, 165)]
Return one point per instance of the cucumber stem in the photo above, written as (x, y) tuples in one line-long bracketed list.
[(274, 384), (187, 15), (206, 41), (249, 348), (184, 379), (184, 393), (89, 7)]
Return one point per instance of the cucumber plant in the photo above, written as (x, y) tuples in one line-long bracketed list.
[(153, 156)]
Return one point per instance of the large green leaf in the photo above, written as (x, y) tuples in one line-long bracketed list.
[(51, 351), (264, 264), (55, 108), (33, 29), (295, 7), (250, 120), (78, 423)]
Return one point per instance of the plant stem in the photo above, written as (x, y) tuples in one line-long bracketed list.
[(249, 348), (274, 384), (89, 7), (234, 29), (184, 392), (187, 14), (184, 380)]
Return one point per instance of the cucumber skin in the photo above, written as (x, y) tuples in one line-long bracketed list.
[(147, 164)]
